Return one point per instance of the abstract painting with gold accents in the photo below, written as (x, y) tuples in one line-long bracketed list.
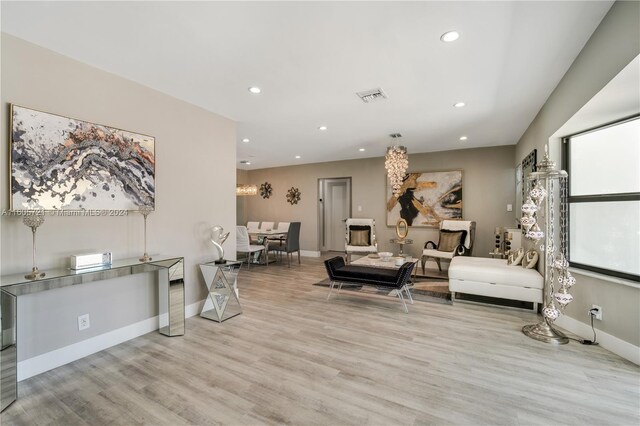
[(59, 163), (426, 199)]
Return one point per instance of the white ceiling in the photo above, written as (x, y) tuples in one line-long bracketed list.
[(310, 58), (619, 98)]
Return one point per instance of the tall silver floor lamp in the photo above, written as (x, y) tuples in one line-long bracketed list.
[(544, 218)]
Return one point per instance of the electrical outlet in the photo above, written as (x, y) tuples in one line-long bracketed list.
[(509, 207), (83, 322), (597, 315)]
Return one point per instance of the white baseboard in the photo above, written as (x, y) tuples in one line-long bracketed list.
[(309, 253), (193, 309), (618, 346), (56, 358)]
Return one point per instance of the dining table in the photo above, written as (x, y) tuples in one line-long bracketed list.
[(265, 237)]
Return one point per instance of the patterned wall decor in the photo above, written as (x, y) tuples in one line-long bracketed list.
[(523, 169), (293, 196), (426, 199), (265, 190), (59, 163)]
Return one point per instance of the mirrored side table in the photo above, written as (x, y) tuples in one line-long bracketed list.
[(222, 301)]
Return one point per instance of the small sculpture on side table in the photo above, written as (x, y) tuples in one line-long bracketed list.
[(218, 237)]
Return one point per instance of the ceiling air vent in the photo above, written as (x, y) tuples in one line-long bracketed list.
[(395, 135), (244, 162), (372, 95)]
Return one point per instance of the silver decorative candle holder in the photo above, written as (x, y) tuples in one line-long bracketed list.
[(145, 211), (33, 221)]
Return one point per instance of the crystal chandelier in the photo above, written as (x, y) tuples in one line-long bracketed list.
[(396, 163), (246, 189)]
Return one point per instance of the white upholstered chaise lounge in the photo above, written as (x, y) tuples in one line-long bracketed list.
[(494, 278)]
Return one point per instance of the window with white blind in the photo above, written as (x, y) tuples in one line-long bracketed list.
[(604, 198)]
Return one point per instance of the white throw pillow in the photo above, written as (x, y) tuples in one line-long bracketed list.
[(515, 257), (530, 259)]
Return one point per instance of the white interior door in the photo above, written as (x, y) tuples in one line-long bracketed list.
[(335, 205)]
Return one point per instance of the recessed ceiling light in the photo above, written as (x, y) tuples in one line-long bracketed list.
[(459, 104), (361, 150), (255, 90), (245, 140), (449, 36), (463, 138), (322, 128), (297, 156)]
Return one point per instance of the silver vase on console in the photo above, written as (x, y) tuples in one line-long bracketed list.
[(33, 221), (145, 211)]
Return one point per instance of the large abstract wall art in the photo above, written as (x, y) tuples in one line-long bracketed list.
[(426, 199), (58, 163)]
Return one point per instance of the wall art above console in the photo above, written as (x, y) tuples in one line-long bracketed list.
[(60, 163)]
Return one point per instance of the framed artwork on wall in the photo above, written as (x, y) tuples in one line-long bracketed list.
[(426, 198), (60, 163)]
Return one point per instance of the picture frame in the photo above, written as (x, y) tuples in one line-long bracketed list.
[(62, 163), (426, 199)]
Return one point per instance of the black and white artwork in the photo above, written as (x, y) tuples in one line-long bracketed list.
[(59, 163)]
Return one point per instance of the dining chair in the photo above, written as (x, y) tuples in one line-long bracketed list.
[(291, 244), (282, 226), (266, 226), (253, 227), (243, 245)]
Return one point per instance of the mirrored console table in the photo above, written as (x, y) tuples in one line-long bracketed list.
[(170, 276)]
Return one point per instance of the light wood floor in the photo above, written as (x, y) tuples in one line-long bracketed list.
[(294, 358)]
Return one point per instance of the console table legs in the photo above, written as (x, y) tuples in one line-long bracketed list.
[(171, 299), (8, 350)]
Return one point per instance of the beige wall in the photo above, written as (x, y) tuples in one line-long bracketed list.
[(488, 186), (195, 178), (611, 47)]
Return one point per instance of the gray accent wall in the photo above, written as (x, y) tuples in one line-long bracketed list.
[(195, 180), (613, 45), (488, 186)]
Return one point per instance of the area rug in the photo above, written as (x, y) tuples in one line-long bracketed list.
[(434, 291)]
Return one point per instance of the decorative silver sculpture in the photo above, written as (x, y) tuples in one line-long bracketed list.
[(33, 221), (145, 211), (539, 210), (218, 237)]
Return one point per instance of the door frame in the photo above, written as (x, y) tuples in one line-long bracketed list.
[(321, 195)]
